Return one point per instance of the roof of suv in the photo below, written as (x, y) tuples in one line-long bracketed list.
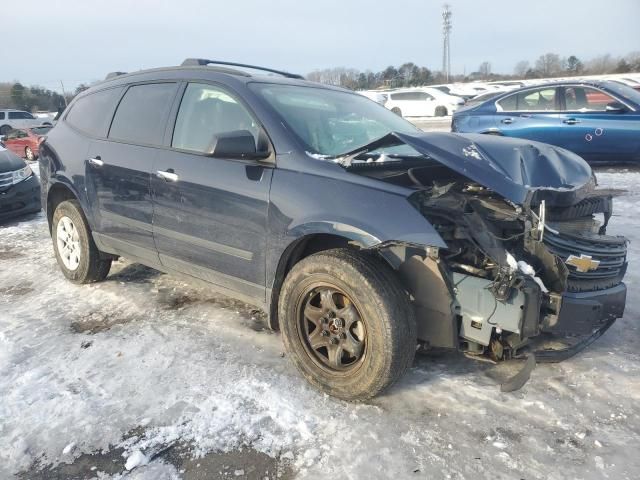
[(211, 69)]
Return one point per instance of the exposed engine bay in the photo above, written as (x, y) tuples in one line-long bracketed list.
[(536, 272)]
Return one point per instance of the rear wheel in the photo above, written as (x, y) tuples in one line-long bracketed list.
[(347, 324), (4, 129), (441, 111), (76, 253), (29, 155), (397, 111)]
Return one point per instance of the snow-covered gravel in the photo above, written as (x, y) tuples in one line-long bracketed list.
[(145, 360)]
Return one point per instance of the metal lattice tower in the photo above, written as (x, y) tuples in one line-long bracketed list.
[(446, 49)]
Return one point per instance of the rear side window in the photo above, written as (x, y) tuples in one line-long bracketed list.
[(1, 115), (530, 101), (142, 112), (91, 114), (20, 116)]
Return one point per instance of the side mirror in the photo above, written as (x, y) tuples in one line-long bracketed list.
[(239, 144), (616, 107)]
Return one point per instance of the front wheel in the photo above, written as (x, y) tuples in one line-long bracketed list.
[(441, 111), (29, 155), (76, 252), (347, 323)]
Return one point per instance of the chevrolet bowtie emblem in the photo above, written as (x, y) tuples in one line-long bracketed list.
[(583, 263)]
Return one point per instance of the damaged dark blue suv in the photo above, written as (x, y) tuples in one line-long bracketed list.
[(359, 235)]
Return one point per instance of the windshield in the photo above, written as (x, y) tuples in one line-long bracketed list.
[(332, 123), (41, 130), (624, 91)]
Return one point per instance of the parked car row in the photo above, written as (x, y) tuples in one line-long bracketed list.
[(598, 120), (25, 142), (417, 102)]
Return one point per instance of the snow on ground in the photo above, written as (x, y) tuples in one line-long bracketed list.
[(144, 360)]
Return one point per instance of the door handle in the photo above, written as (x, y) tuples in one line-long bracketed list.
[(571, 121), (169, 175), (507, 120), (96, 161)]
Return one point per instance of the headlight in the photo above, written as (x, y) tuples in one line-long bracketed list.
[(22, 174)]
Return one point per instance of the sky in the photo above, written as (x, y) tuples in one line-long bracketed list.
[(80, 41)]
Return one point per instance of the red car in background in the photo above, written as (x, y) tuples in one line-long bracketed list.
[(25, 142)]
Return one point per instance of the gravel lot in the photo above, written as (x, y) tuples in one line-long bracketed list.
[(144, 368)]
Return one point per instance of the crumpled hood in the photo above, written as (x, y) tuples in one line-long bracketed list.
[(523, 171), (9, 161)]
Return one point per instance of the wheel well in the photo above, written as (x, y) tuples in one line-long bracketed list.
[(57, 194), (299, 250)]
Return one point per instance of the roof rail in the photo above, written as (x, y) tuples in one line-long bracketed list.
[(191, 62), (114, 75)]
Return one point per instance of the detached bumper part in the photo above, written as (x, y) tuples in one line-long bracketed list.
[(583, 318)]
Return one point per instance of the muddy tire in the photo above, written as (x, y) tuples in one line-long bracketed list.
[(397, 111), (441, 111), (76, 252), (347, 323)]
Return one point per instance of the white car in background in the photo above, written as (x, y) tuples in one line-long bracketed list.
[(11, 119), (422, 102), (375, 95)]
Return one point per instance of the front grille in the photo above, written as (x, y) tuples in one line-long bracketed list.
[(6, 180), (610, 251)]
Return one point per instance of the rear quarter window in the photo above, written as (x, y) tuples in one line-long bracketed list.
[(142, 113), (91, 114)]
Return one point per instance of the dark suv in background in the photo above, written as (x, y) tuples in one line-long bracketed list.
[(358, 234)]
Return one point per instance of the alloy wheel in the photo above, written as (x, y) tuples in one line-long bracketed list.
[(68, 241)]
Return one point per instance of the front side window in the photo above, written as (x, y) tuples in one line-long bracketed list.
[(530, 101), (206, 111), (142, 112), (331, 122), (1, 115), (91, 113), (586, 99)]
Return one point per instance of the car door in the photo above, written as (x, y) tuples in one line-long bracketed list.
[(595, 133), (119, 169), (210, 214), (533, 114)]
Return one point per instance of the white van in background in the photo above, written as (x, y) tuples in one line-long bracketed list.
[(422, 102), (10, 119)]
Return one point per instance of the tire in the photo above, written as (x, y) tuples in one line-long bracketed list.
[(373, 325), (28, 154), (397, 111), (441, 111), (70, 224), (4, 129)]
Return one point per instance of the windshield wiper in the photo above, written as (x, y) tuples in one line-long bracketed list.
[(388, 140)]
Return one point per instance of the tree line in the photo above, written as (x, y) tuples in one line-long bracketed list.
[(412, 75), (32, 99)]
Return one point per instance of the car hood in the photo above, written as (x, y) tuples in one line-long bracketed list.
[(522, 171), (9, 161)]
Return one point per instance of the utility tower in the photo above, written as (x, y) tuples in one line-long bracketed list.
[(446, 49)]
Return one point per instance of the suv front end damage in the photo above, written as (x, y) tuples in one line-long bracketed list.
[(529, 266)]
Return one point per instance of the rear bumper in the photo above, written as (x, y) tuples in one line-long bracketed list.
[(20, 199)]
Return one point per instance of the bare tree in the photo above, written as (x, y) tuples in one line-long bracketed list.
[(521, 68), (485, 70), (549, 64)]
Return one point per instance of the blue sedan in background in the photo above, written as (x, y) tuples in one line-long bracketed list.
[(598, 120)]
